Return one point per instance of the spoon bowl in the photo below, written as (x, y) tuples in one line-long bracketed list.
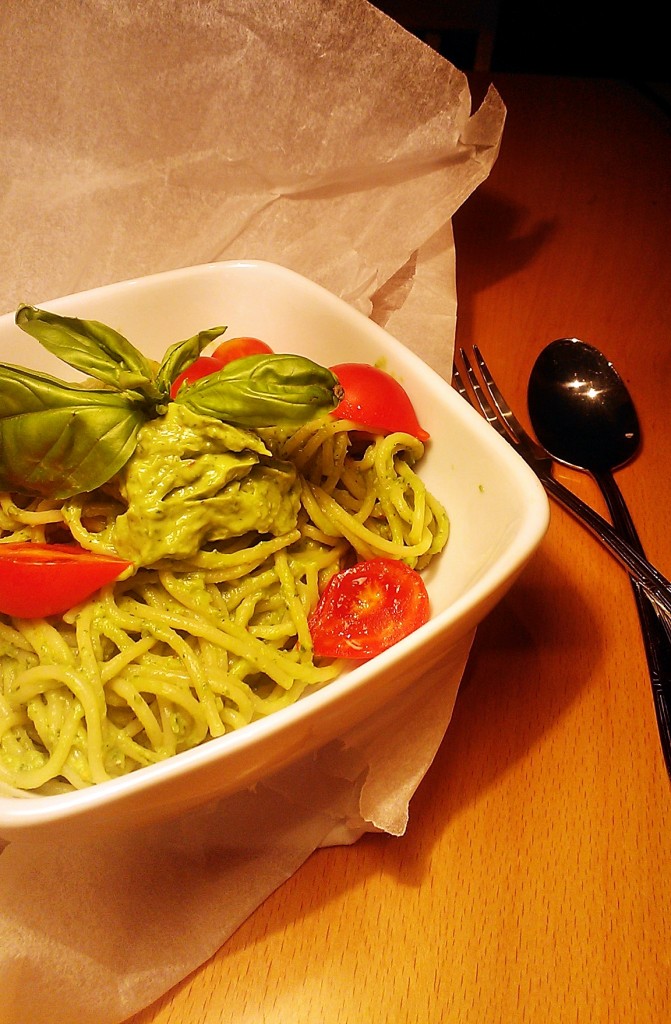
[(581, 409)]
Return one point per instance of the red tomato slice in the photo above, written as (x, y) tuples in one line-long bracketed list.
[(37, 580), (367, 608), (374, 399), (203, 366), (238, 348)]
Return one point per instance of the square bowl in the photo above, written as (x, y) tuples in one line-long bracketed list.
[(497, 509)]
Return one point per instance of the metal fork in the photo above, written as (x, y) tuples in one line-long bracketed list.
[(486, 396)]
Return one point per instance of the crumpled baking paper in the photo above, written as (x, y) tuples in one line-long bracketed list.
[(144, 137)]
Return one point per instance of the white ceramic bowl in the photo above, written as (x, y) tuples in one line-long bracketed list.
[(498, 513)]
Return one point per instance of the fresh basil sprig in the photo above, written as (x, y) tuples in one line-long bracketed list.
[(59, 439), (263, 390), (180, 356), (103, 353), (91, 347)]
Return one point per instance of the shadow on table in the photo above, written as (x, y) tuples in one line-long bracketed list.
[(493, 241)]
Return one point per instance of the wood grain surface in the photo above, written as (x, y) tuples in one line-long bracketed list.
[(532, 885)]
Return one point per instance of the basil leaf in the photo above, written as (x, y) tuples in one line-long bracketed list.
[(264, 390), (58, 440), (182, 354), (91, 347)]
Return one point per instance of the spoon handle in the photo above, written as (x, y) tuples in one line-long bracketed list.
[(655, 585), (656, 637)]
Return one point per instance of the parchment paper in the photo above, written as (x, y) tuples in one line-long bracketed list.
[(144, 137)]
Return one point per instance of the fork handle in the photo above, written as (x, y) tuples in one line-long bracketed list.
[(656, 637), (655, 585)]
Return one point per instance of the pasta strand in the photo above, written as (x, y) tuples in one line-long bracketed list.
[(184, 651)]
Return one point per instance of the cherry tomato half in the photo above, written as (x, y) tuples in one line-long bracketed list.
[(375, 400), (203, 366), (37, 580), (238, 348), (367, 608)]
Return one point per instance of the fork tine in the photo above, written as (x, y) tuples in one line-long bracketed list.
[(488, 399), (483, 403), (458, 384), (499, 402)]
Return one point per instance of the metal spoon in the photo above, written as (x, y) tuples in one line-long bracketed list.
[(583, 414)]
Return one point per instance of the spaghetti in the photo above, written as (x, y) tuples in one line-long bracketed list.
[(187, 650)]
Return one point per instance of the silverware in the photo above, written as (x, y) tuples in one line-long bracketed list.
[(584, 416), (485, 396)]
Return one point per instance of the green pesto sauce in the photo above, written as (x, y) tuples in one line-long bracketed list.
[(194, 480)]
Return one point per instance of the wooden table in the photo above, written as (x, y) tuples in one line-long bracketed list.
[(533, 884)]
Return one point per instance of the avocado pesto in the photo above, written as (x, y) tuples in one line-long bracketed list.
[(194, 480)]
